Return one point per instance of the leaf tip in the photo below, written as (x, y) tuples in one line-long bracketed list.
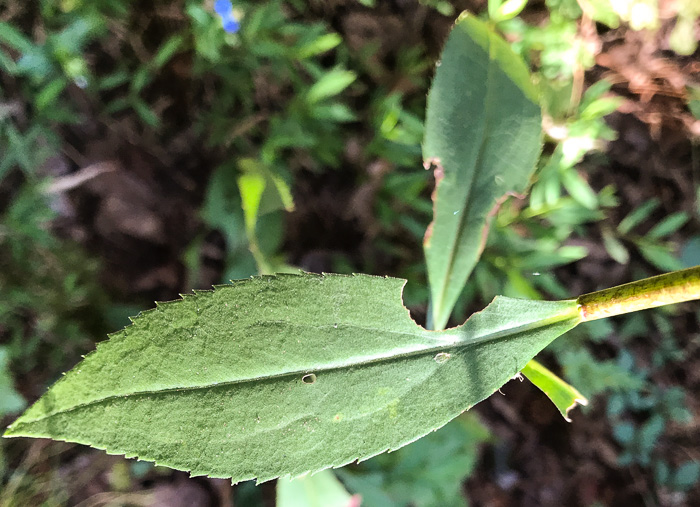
[(576, 401)]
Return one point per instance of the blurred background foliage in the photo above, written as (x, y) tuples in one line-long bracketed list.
[(145, 151)]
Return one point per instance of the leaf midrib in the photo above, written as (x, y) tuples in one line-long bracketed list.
[(571, 313)]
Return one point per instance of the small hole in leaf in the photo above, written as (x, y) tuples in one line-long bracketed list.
[(309, 378), (442, 357)]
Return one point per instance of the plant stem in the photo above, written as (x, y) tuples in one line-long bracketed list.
[(674, 287)]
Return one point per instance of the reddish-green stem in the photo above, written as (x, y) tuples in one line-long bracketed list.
[(659, 290)]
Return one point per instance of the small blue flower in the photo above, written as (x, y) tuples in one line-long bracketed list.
[(223, 8), (225, 11), (231, 25)]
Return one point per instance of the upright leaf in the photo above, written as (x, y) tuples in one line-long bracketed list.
[(483, 137), (262, 192), (288, 374)]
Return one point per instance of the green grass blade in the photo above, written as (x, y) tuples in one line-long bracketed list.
[(287, 374), (483, 136)]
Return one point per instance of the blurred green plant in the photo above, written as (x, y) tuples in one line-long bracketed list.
[(54, 304), (51, 311), (427, 473), (11, 402), (317, 490), (276, 56), (653, 245)]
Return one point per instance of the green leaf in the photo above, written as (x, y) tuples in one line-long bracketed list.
[(262, 192), (638, 215), (146, 113), (222, 208), (48, 96), (331, 84), (321, 44), (601, 107), (683, 39), (668, 225), (167, 51), (252, 187), (287, 374), (111, 81), (338, 113), (592, 94), (502, 10), (660, 257), (615, 248), (686, 476), (7, 64), (274, 191), (35, 64), (603, 12), (418, 474), (483, 136), (15, 39), (564, 396), (75, 36), (690, 254), (11, 401), (694, 100), (141, 78), (594, 377), (579, 189), (318, 490)]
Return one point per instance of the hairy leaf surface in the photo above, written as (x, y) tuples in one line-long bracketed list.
[(286, 374), (483, 137)]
